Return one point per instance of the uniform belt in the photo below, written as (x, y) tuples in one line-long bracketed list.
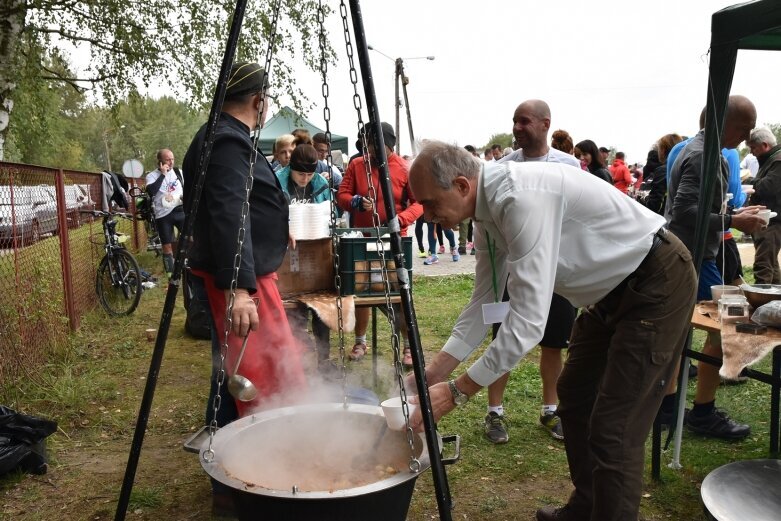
[(659, 237)]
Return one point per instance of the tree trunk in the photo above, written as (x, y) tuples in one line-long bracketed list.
[(12, 16)]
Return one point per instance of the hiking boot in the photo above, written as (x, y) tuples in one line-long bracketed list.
[(431, 259), (666, 417), (552, 424), (495, 429), (454, 253), (717, 424), (462, 250), (565, 513)]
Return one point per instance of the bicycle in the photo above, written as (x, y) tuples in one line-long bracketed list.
[(146, 214), (118, 278)]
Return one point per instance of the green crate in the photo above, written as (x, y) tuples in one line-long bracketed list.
[(361, 269)]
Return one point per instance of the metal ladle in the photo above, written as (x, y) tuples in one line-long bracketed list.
[(239, 386)]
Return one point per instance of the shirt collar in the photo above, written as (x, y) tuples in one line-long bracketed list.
[(481, 202)]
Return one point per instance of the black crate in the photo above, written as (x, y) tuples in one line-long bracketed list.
[(361, 268)]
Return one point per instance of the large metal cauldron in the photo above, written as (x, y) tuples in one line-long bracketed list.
[(316, 462)]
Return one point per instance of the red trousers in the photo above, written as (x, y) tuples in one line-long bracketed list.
[(273, 357)]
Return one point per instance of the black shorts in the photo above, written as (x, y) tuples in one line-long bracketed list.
[(165, 225), (561, 318)]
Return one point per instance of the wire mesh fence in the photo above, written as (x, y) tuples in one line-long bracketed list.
[(47, 261)]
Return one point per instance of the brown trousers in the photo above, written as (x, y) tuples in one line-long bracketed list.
[(622, 354), (767, 244)]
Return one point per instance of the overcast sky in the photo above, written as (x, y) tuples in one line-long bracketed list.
[(620, 73)]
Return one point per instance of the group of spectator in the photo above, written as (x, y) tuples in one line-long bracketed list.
[(300, 173)]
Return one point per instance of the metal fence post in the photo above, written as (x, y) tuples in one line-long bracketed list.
[(65, 254)]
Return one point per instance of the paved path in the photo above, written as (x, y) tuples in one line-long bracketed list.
[(466, 264), (446, 266)]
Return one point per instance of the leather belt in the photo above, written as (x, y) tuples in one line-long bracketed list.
[(659, 237)]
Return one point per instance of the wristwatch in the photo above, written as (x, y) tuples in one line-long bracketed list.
[(459, 398)]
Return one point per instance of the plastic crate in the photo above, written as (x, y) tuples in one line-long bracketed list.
[(361, 268)]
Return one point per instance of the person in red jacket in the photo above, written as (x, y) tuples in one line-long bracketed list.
[(622, 178), (353, 196)]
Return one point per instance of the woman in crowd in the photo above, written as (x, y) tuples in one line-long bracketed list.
[(299, 180), (657, 195), (561, 140), (301, 184), (592, 158)]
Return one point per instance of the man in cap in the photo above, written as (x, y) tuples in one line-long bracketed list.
[(272, 360), (541, 226), (354, 197)]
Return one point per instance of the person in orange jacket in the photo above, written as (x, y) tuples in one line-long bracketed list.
[(622, 178), (353, 196)]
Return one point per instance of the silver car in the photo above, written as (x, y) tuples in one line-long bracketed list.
[(26, 213)]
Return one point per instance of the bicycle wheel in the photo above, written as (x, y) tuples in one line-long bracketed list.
[(118, 283)]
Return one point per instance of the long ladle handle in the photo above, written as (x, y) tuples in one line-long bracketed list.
[(241, 353)]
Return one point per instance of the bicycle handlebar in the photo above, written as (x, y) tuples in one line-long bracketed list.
[(101, 213)]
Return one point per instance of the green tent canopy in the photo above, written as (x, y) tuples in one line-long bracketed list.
[(285, 122), (751, 25)]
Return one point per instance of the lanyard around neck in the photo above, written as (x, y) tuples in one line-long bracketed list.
[(492, 257)]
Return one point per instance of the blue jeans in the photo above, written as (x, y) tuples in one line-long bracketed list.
[(432, 240)]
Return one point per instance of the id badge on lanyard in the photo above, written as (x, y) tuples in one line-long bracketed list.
[(495, 312)]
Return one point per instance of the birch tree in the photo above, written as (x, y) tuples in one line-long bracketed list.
[(136, 43)]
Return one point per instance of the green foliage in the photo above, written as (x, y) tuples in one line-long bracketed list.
[(502, 139), (150, 43)]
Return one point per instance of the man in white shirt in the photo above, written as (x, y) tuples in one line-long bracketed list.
[(164, 186), (531, 123), (545, 227)]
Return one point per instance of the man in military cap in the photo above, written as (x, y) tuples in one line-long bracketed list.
[(272, 360)]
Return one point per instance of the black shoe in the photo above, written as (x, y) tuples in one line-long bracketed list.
[(564, 513), (462, 250), (666, 417), (717, 424)]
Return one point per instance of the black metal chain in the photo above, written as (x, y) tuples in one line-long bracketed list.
[(414, 463), (322, 41)]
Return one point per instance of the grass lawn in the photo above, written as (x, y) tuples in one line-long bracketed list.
[(94, 390)]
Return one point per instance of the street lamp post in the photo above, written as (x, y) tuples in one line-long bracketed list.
[(400, 77)]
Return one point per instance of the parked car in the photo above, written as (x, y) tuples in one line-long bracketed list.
[(26, 213), (77, 198)]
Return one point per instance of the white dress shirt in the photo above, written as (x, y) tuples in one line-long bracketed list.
[(554, 230)]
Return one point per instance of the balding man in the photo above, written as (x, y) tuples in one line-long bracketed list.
[(543, 226), (164, 186), (531, 123), (682, 206), (767, 192)]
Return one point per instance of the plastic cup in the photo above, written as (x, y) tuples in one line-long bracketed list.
[(765, 214), (394, 415), (719, 290)]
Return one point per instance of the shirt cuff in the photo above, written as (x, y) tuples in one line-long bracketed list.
[(481, 374), (457, 348)]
